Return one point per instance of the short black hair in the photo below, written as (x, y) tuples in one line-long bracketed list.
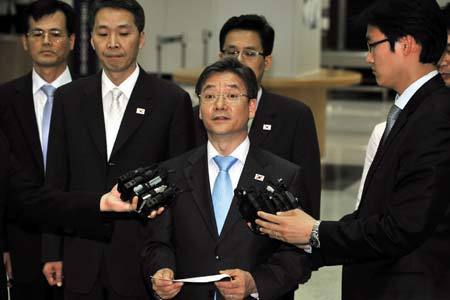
[(129, 5), (423, 20), (38, 9), (446, 12), (232, 65), (255, 23)]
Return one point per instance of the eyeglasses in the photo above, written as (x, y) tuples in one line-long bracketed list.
[(230, 97), (246, 53), (371, 46), (54, 35)]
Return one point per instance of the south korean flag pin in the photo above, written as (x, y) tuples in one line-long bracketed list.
[(140, 111), (267, 127), (259, 177)]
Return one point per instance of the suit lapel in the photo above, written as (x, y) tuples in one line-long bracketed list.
[(24, 108), (415, 101), (136, 112), (92, 107), (254, 164), (198, 178), (264, 119)]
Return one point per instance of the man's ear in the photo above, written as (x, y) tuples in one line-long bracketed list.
[(408, 45), (141, 40), (251, 108), (24, 42), (267, 62), (92, 43), (200, 112)]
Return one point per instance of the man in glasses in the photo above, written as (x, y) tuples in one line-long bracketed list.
[(202, 232), (281, 125), (26, 108), (396, 244), (377, 133)]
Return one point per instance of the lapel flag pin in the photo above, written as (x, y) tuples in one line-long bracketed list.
[(259, 177), (267, 127), (140, 111)]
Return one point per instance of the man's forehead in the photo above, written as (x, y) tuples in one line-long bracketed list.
[(114, 17), (373, 31), (53, 20), (222, 81), (243, 38)]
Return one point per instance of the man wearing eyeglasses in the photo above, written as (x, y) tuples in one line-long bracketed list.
[(202, 232), (396, 244), (26, 108), (281, 125)]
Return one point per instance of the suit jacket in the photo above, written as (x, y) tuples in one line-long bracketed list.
[(396, 245), (18, 122), (292, 136), (78, 161), (37, 205), (185, 239)]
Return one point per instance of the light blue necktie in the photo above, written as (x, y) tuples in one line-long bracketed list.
[(222, 194), (48, 90)]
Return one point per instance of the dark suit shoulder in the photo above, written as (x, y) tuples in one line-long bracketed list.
[(284, 104), (12, 86), (440, 101), (182, 160), (273, 159)]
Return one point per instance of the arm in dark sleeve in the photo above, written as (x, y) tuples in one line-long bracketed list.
[(306, 154), (418, 202), (158, 250), (56, 176), (182, 134), (286, 267)]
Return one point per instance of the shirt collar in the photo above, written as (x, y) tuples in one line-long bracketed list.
[(403, 99), (62, 79), (125, 87), (240, 152)]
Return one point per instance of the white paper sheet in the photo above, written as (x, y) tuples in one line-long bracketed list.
[(201, 279)]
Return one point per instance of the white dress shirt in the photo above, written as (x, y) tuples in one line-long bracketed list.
[(112, 125), (235, 171), (371, 150), (39, 97)]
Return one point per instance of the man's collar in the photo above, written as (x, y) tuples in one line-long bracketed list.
[(125, 87), (38, 81)]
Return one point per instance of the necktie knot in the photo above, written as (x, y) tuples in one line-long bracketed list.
[(116, 93), (48, 90), (224, 162), (393, 113)]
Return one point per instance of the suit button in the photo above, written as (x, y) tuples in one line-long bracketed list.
[(111, 163), (218, 257)]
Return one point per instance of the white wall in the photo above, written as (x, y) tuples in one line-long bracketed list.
[(296, 50)]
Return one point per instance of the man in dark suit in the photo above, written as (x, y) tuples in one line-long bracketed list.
[(281, 125), (103, 126), (202, 232), (25, 119), (396, 244), (36, 204)]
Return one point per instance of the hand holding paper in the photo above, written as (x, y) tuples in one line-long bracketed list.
[(240, 287), (163, 284)]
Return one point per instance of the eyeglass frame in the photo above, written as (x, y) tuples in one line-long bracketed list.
[(371, 46), (223, 96), (236, 53), (49, 33)]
